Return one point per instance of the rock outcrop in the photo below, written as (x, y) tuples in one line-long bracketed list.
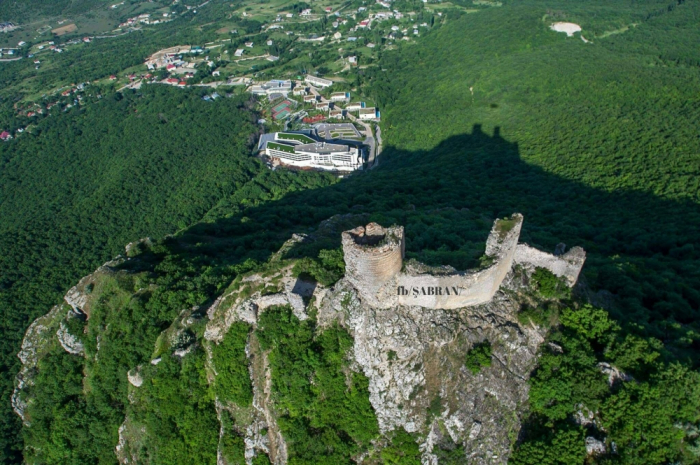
[(39, 337), (414, 358), (68, 341), (412, 347)]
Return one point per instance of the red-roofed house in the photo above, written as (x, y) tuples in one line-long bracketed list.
[(182, 83), (5, 135)]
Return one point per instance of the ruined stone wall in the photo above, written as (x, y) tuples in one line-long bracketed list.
[(373, 255), (374, 259), (567, 266), (471, 287)]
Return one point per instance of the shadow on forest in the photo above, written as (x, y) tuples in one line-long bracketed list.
[(640, 247)]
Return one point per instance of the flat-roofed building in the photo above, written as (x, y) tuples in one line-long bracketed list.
[(299, 90), (336, 114), (368, 113), (309, 98), (317, 81), (340, 96), (355, 106), (322, 106), (272, 87), (258, 90), (303, 151)]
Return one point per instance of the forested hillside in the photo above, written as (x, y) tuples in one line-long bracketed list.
[(615, 117), (594, 142), (31, 9), (85, 183)]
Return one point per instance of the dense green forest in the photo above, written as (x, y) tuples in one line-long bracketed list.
[(24, 11), (87, 182), (595, 143)]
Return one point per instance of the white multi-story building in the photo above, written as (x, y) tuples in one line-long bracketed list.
[(368, 113), (355, 106), (317, 81), (340, 96), (305, 152), (272, 87), (336, 114)]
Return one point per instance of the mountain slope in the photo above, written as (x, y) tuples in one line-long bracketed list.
[(86, 182)]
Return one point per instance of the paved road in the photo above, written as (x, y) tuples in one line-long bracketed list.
[(369, 141)]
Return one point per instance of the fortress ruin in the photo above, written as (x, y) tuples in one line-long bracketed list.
[(374, 265)]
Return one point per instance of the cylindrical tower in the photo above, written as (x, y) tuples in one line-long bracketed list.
[(373, 255)]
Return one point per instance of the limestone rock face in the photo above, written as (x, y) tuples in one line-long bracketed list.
[(36, 342), (594, 446), (232, 307), (39, 337), (68, 341), (414, 355), (135, 377)]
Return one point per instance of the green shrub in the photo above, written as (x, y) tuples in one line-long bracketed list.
[(233, 448), (403, 450), (328, 268), (479, 357), (549, 285), (325, 414), (233, 380)]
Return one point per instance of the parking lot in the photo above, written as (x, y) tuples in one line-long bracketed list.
[(338, 131)]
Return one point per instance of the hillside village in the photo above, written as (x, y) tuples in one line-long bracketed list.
[(303, 63)]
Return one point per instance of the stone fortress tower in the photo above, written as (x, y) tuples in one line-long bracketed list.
[(374, 265), (373, 255)]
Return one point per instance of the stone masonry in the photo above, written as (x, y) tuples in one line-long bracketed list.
[(374, 261), (373, 256)]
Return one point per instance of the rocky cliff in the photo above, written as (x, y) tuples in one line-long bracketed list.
[(413, 351), (413, 355)]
